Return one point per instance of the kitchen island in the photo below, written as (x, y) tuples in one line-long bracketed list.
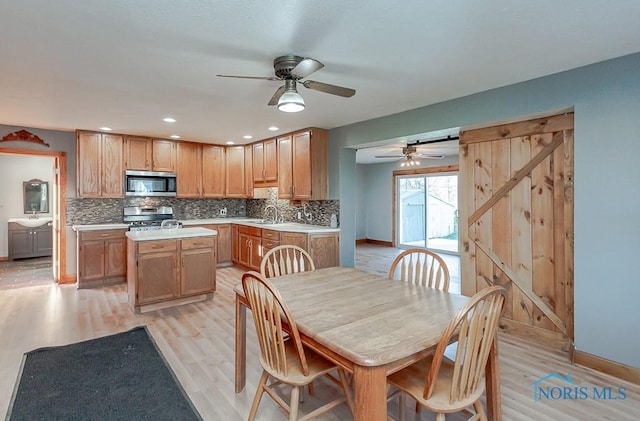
[(170, 267)]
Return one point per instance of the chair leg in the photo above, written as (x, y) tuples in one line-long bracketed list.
[(477, 405), (401, 403), (293, 404), (347, 390), (256, 399)]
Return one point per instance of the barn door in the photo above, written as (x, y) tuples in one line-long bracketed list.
[(516, 223)]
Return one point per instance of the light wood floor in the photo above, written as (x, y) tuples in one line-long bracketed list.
[(198, 340)]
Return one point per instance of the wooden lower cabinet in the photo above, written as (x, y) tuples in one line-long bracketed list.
[(224, 251), (157, 277), (164, 270), (235, 244), (101, 257), (249, 244), (324, 249), (197, 273), (249, 247)]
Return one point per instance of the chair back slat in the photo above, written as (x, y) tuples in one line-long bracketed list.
[(421, 267), (476, 326), (269, 311), (284, 260)]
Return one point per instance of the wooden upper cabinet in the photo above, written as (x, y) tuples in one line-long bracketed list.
[(303, 165), (189, 170), (213, 171), (258, 162), (145, 154), (285, 167), (265, 161), (248, 172), (137, 153), (235, 182), (100, 166), (164, 153)]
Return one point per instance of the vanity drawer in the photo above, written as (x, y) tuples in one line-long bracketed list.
[(271, 235), (157, 246), (102, 235), (198, 243)]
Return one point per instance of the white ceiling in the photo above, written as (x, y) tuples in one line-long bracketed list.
[(125, 64)]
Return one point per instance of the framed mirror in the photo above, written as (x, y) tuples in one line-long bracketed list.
[(36, 196)]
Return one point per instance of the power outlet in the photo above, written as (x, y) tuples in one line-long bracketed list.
[(223, 211), (299, 215)]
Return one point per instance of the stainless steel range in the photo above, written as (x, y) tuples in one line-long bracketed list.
[(146, 218)]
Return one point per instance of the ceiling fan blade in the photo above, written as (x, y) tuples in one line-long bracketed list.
[(306, 67), (330, 89), (433, 156), (277, 95), (250, 77), (389, 156)]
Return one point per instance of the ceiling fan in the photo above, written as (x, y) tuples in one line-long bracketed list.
[(291, 69), (410, 152)]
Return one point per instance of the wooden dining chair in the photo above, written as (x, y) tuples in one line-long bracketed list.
[(286, 361), (443, 385), (283, 260), (421, 267)]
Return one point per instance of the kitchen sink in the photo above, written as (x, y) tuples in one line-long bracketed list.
[(31, 222)]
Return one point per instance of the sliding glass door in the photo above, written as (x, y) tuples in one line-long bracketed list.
[(427, 212)]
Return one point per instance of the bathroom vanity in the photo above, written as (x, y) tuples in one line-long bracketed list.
[(30, 238)]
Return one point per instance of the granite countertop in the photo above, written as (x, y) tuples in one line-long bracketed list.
[(170, 234)]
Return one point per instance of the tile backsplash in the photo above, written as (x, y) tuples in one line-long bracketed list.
[(109, 211)]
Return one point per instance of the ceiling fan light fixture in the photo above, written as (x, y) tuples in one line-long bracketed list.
[(408, 161), (291, 101)]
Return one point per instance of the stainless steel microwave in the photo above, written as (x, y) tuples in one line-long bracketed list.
[(150, 183)]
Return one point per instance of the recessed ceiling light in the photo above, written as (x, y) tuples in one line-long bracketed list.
[(248, 136), (273, 128), (231, 142), (169, 120), (175, 136), (106, 129)]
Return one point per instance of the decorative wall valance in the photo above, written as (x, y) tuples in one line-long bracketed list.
[(24, 136)]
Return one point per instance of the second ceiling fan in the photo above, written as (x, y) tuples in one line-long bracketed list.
[(291, 69)]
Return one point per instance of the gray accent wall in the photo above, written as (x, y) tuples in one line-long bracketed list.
[(606, 101)]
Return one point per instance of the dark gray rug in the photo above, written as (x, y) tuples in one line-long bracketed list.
[(117, 377)]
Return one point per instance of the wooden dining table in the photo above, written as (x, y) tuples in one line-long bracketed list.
[(368, 325)]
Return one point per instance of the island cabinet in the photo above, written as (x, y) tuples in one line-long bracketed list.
[(100, 166), (146, 154), (27, 242), (265, 163), (170, 271), (303, 165), (101, 257)]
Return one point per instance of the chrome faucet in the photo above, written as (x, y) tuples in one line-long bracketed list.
[(275, 213)]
